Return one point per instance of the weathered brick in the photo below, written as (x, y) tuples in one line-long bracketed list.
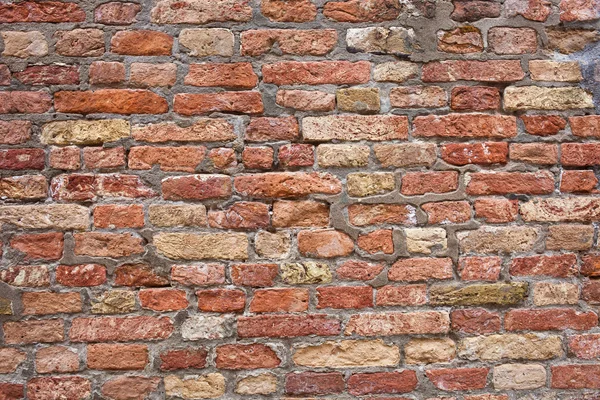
[(483, 183), (419, 183), (476, 126), (382, 382), (380, 40), (454, 379), (461, 40), (38, 75), (543, 98), (355, 128), (506, 40), (51, 11), (80, 43), (24, 44), (120, 329), (279, 300), (485, 153), (348, 354), (22, 102), (483, 71), (286, 184), (315, 42), (317, 73), (117, 356), (289, 11), (189, 246), (205, 103), (115, 13), (152, 75), (116, 101), (475, 98), (235, 75), (390, 324), (362, 11)]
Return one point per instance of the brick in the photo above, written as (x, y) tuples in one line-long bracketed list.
[(586, 126), (4, 75), (288, 11), (426, 240), (579, 154), (65, 158), (485, 153), (116, 101), (279, 300), (80, 43), (475, 98), (200, 12), (171, 360), (584, 346), (473, 10), (382, 382), (317, 73), (542, 98), (575, 376), (115, 13), (547, 293), (119, 357), (418, 97), (188, 246), (21, 102), (591, 292), (106, 73), (141, 43), (114, 302), (24, 44), (570, 237), (196, 187), (573, 10), (578, 182), (380, 40), (196, 275), (362, 11), (119, 216), (258, 157), (461, 40), (99, 244), (26, 276), (227, 102), (39, 75), (207, 327), (21, 159), (246, 356), (123, 387), (56, 359), (347, 354), (379, 241), (589, 266), (207, 42), (26, 187), (429, 351), (82, 275), (536, 10), (377, 214), (543, 125), (103, 158), (314, 383), (570, 209), (221, 300), (15, 132), (482, 183), (479, 268), (296, 155), (456, 379), (51, 11), (70, 387), (287, 326), (341, 297), (391, 324), (203, 386), (559, 266), (44, 303), (519, 376), (288, 214), (355, 128), (359, 100), (34, 331), (419, 183), (254, 275), (358, 270), (405, 295), (420, 269), (222, 158), (10, 359), (163, 299), (183, 158), (534, 153), (120, 329), (324, 243), (549, 319), (309, 272), (505, 40), (488, 239), (273, 245), (12, 391), (399, 71), (51, 216), (306, 100), (234, 75), (553, 71), (286, 184), (476, 126), (85, 132), (202, 130), (315, 42), (153, 75), (241, 215), (483, 71), (475, 321)]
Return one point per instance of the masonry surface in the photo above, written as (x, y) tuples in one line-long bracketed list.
[(296, 199)]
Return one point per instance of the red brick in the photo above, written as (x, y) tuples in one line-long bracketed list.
[(496, 210), (11, 391), (586, 346), (196, 187), (24, 102), (279, 300), (453, 379), (14, 132), (130, 387), (549, 319), (25, 187), (4, 75), (196, 275), (585, 126), (153, 75), (227, 102), (579, 10), (188, 358), (56, 359), (287, 214), (479, 268), (447, 212), (246, 356), (475, 98), (405, 295), (44, 303), (419, 183), (103, 158), (558, 266), (184, 158), (32, 331), (580, 154), (324, 243), (314, 383), (296, 155), (575, 376), (20, 159), (272, 129), (506, 40), (287, 184), (288, 326), (590, 265), (510, 182), (461, 40), (192, 12), (116, 13), (380, 241), (120, 329), (100, 244), (420, 269), (141, 43), (254, 275), (106, 73), (233, 75), (117, 356), (476, 126), (241, 215), (534, 153), (534, 10), (119, 216), (258, 157), (377, 214), (46, 246), (81, 275), (80, 43), (66, 158), (288, 11), (591, 292), (396, 323), (163, 299), (63, 387), (317, 73), (49, 75), (341, 297), (543, 125), (467, 70), (221, 300), (114, 101), (578, 182), (47, 11), (26, 276), (473, 10), (475, 321), (475, 153), (358, 270), (315, 42), (306, 100), (138, 275), (223, 158), (382, 382)]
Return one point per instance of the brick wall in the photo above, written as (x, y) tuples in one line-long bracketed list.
[(245, 199)]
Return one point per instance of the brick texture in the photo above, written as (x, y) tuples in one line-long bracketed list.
[(299, 199)]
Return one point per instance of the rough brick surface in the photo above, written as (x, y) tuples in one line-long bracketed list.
[(299, 199)]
